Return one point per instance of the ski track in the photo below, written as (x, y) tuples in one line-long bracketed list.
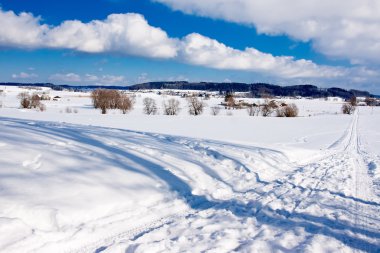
[(305, 186), (331, 195)]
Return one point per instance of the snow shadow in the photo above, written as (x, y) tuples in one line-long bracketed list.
[(280, 218)]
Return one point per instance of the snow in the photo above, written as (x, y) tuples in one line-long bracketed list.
[(86, 182)]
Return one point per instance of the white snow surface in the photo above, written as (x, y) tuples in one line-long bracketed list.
[(86, 182)]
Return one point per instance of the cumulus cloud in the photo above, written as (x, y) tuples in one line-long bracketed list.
[(23, 30), (128, 34), (122, 33), (340, 28), (24, 75), (204, 51)]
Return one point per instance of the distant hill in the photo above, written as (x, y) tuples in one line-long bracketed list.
[(254, 89)]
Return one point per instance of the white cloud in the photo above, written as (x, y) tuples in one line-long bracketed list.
[(128, 34), (89, 78), (201, 50), (23, 30), (122, 33), (69, 77), (111, 79), (24, 75), (339, 28)]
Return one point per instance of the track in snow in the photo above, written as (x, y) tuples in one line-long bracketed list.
[(330, 197)]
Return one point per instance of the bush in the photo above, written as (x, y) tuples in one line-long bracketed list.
[(215, 110), (25, 100), (353, 101), (111, 99), (171, 107), (347, 108), (150, 107), (124, 103), (253, 110), (195, 106), (28, 102), (268, 107), (105, 99), (230, 100), (35, 101), (290, 110)]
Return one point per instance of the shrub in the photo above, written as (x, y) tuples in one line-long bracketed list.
[(111, 99), (35, 101), (290, 110), (25, 100), (215, 110), (347, 108), (353, 101), (268, 107), (195, 106), (125, 103), (171, 107), (253, 110), (230, 100), (280, 112), (28, 102), (105, 99), (150, 107)]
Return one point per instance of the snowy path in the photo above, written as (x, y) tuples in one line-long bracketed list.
[(325, 205), (141, 192)]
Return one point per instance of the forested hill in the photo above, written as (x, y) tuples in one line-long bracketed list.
[(255, 89)]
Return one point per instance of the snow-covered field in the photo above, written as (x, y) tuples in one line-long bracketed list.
[(86, 182)]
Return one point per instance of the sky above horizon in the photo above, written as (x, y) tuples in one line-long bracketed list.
[(123, 42)]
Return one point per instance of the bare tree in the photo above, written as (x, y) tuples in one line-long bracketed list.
[(195, 106), (150, 107), (171, 107), (253, 110), (347, 108), (105, 99), (35, 101), (28, 102), (230, 100), (268, 107), (353, 101), (124, 103), (215, 110), (25, 99)]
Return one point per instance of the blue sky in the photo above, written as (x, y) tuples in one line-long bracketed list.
[(194, 42)]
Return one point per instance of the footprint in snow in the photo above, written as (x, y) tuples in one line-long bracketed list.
[(34, 164)]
